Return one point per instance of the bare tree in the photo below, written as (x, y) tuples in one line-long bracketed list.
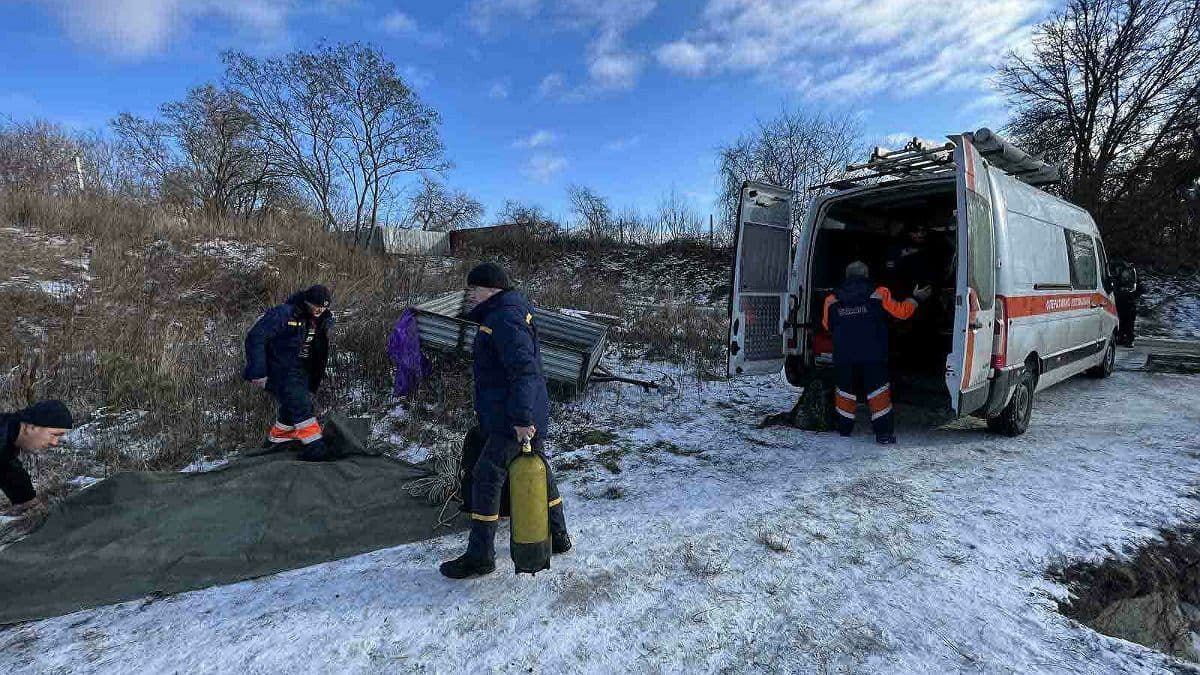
[(38, 155), (629, 224), (1111, 90), (794, 150), (591, 209), (529, 217), (298, 119), (204, 152), (676, 219), (385, 130), (434, 208)]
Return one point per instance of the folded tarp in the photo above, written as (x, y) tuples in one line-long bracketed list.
[(143, 533)]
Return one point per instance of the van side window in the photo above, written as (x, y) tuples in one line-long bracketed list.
[(1083, 260)]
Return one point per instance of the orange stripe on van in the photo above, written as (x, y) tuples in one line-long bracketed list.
[(1053, 303), (969, 169)]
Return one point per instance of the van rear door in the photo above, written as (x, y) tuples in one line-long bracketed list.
[(968, 366), (762, 259)]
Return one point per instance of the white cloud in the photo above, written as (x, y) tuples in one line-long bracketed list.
[(133, 29), (499, 89), (622, 144), (537, 139), (683, 57), (415, 76), (839, 51), (551, 84), (401, 25), (614, 70), (609, 63), (543, 167), (398, 23), (483, 15)]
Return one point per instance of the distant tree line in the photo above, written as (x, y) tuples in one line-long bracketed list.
[(1110, 89), (331, 131)]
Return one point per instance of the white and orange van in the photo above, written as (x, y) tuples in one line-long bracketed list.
[(1021, 297)]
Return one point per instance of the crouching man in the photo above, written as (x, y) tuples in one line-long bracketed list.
[(512, 406), (31, 430), (286, 354)]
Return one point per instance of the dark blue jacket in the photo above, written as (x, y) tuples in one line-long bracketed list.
[(857, 314), (510, 389), (273, 344)]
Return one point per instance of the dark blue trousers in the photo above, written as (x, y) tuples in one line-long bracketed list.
[(294, 399), (487, 488), (863, 380)]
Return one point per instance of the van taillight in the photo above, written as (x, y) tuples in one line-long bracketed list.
[(1000, 334)]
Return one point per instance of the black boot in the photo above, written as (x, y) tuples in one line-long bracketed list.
[(560, 542), (886, 440), (316, 452), (466, 566)]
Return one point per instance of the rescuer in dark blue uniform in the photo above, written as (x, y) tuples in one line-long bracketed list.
[(31, 430), (857, 315), (286, 353), (512, 406)]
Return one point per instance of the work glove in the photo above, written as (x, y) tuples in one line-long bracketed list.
[(922, 293)]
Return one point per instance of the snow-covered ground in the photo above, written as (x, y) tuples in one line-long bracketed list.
[(706, 544), (1171, 306)]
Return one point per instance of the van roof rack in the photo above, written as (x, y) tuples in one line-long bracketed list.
[(922, 159)]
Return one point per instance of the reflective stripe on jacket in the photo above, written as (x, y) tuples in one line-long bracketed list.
[(857, 314)]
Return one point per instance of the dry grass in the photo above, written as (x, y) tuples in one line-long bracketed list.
[(159, 325), (153, 308)]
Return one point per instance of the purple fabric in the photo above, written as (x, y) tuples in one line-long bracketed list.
[(404, 346)]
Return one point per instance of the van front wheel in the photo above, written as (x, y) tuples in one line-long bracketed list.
[(1014, 419), (1109, 364)]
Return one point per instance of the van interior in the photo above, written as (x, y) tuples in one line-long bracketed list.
[(877, 226)]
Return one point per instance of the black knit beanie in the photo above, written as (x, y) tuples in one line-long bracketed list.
[(490, 275), (51, 413), (318, 296)]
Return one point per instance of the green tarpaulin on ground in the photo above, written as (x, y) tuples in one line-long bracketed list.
[(140, 533)]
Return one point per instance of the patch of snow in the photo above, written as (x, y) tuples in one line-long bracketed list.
[(202, 465), (83, 482), (1171, 306), (237, 253), (742, 549)]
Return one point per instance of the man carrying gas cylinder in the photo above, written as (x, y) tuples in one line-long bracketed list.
[(857, 315), (512, 407)]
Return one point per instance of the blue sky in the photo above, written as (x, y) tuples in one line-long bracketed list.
[(628, 97)]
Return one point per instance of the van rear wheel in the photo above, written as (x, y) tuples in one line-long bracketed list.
[(1014, 419)]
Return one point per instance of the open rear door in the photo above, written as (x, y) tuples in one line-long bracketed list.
[(969, 366), (762, 259)]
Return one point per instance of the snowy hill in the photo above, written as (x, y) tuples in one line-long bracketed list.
[(705, 544)]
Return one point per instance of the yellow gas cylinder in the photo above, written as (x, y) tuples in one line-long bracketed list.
[(530, 544)]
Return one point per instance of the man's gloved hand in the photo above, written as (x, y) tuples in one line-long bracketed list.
[(525, 433), (922, 293)]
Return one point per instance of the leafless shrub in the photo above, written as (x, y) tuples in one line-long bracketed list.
[(703, 560), (776, 540)]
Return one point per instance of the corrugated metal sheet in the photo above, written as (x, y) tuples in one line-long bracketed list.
[(571, 347), (415, 242)]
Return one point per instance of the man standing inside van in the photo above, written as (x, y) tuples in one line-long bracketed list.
[(857, 315)]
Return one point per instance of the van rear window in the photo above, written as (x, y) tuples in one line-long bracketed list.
[(1083, 259)]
